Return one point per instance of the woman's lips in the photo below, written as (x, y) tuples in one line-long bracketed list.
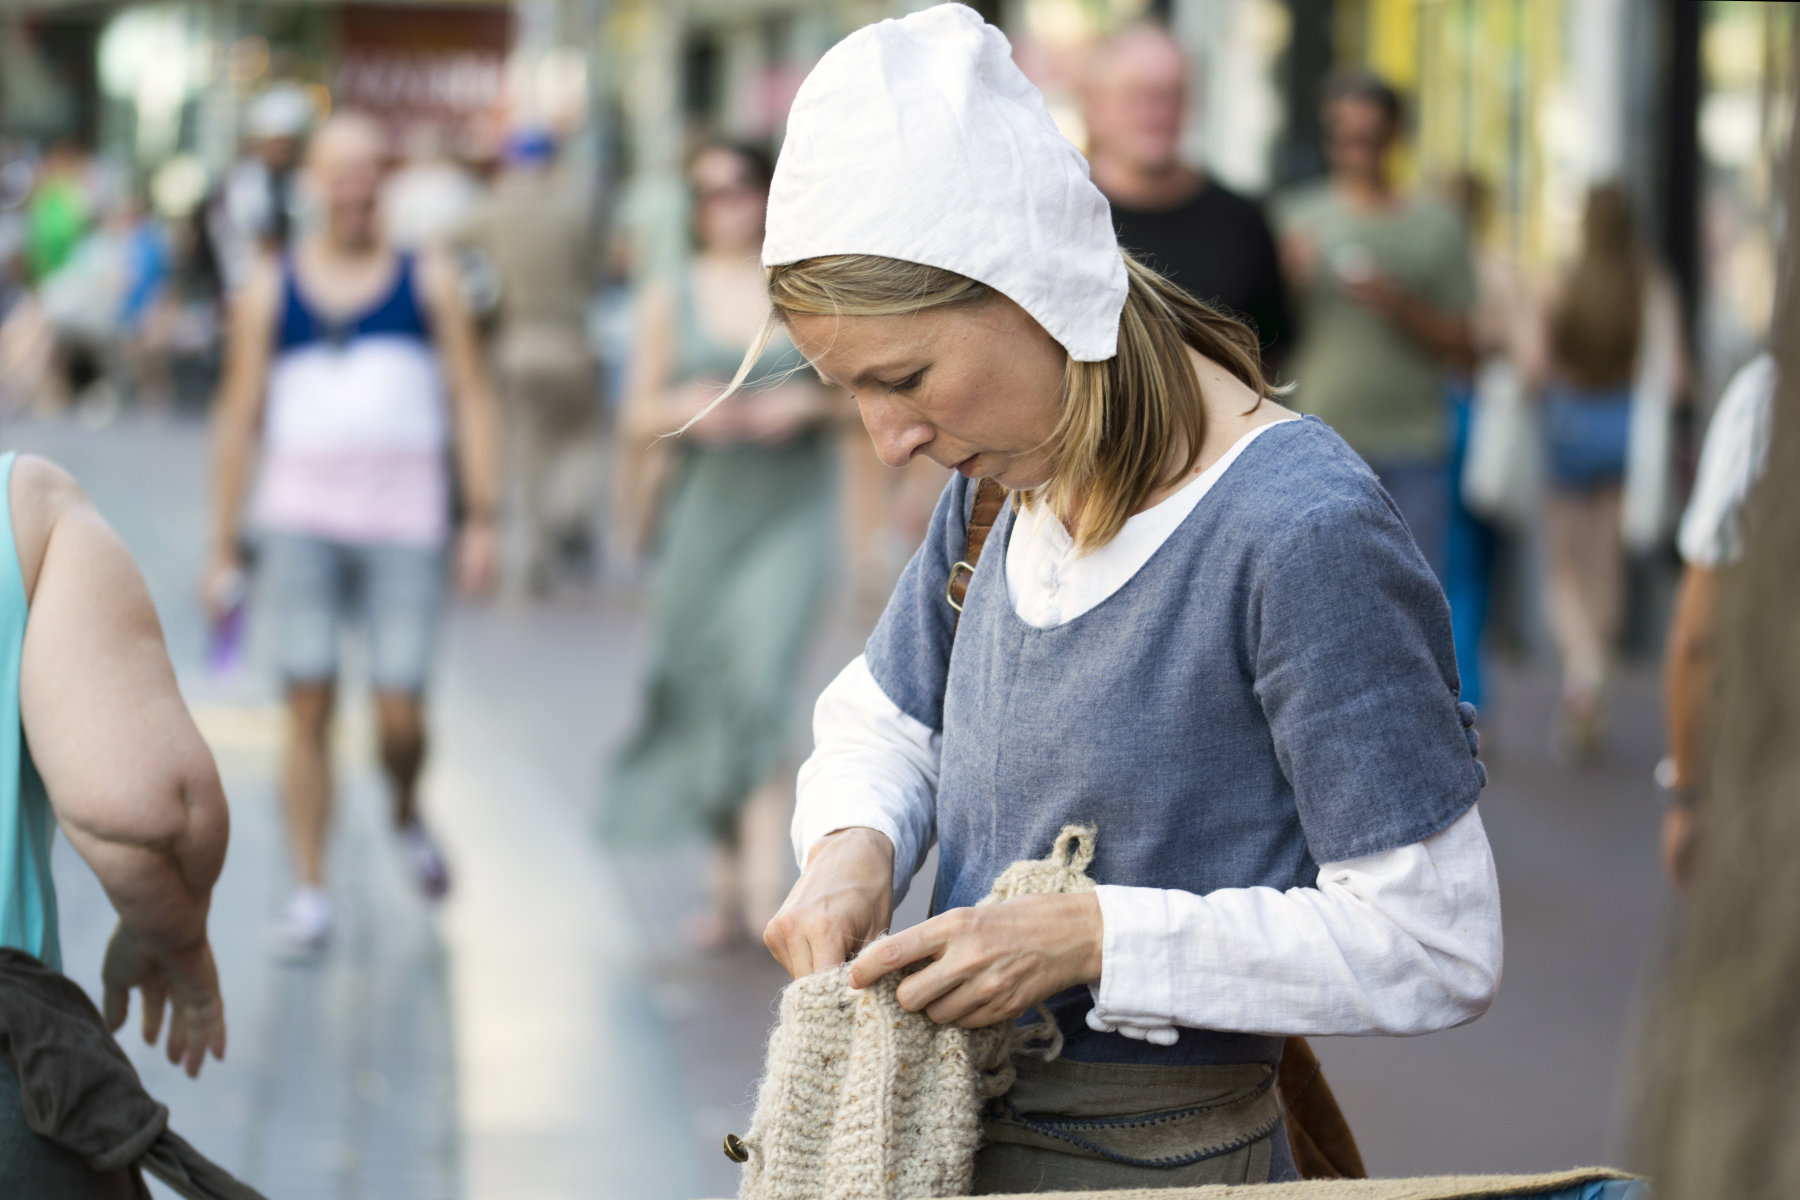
[(967, 466)]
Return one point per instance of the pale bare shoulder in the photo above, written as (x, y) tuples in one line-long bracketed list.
[(40, 493)]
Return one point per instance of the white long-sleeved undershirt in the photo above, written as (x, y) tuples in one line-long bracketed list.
[(1405, 941)]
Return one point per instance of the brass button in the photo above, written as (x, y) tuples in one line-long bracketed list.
[(735, 1149)]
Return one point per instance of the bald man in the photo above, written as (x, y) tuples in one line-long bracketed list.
[(352, 370), (1213, 242)]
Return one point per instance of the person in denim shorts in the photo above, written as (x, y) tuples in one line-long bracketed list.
[(368, 362)]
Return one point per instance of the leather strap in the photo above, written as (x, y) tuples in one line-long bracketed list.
[(989, 497)]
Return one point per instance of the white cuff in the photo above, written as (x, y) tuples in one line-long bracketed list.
[(1136, 990)]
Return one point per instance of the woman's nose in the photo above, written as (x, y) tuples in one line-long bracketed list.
[(897, 435)]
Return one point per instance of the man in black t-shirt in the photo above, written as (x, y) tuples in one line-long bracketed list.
[(1213, 242)]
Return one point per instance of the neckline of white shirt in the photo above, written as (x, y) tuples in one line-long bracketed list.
[(1050, 583)]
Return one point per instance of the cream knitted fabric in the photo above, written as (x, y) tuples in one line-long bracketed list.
[(862, 1100)]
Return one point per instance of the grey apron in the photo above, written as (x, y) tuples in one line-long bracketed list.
[(1068, 1126)]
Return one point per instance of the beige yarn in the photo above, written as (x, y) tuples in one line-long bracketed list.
[(862, 1100), (1443, 1187)]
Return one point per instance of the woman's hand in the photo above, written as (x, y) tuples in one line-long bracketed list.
[(843, 900), (991, 964), (185, 981), (776, 417)]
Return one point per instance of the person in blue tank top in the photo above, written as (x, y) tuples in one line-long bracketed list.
[(1199, 625), (95, 740), (353, 405)]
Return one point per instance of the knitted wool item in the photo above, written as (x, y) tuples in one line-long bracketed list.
[(862, 1100)]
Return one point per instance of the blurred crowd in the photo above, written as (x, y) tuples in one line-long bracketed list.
[(1524, 421)]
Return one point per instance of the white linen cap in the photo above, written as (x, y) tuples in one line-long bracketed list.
[(920, 139)]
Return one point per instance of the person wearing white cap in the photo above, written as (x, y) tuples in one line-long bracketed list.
[(257, 204), (1199, 625)]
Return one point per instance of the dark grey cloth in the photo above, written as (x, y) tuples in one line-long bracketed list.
[(1275, 688), (78, 1091), (1217, 247)]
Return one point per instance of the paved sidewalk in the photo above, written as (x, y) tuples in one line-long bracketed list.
[(505, 1046)]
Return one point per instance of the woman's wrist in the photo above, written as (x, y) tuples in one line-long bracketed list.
[(1088, 928), (853, 839)]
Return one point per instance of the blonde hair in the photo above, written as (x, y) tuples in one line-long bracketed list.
[(1120, 417)]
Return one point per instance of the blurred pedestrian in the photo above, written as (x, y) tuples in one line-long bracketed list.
[(1609, 312), (1712, 539), (145, 308), (1503, 332), (1214, 243), (1385, 290), (257, 207), (429, 195), (1181, 564), (59, 210), (354, 371), (95, 740), (539, 239), (744, 530)]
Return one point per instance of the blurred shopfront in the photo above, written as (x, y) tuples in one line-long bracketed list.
[(1684, 101)]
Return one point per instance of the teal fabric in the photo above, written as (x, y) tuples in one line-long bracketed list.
[(745, 554), (698, 355), (27, 894)]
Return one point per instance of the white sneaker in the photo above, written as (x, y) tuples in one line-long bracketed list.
[(430, 872), (305, 923)]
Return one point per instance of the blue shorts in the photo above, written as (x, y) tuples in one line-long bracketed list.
[(310, 588)]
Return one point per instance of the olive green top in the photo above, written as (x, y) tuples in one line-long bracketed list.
[(1356, 369)]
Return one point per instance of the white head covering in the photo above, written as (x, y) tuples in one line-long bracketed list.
[(920, 139)]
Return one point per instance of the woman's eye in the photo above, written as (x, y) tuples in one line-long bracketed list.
[(907, 384)]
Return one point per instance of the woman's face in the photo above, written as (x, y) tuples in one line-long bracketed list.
[(729, 202), (976, 388)]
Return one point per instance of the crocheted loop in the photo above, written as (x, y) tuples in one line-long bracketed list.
[(1063, 870), (1075, 844)]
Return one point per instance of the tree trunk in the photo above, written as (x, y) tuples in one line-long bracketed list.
[(1721, 1109)]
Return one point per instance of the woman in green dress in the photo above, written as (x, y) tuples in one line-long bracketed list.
[(743, 524)]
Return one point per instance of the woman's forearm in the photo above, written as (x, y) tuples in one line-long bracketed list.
[(159, 862), (872, 767), (1405, 942)]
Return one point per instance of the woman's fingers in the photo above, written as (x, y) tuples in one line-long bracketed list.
[(155, 997), (889, 954)]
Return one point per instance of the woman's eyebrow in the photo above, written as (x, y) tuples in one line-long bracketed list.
[(875, 374), (882, 372)]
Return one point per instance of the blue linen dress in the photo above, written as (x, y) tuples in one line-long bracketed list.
[(1275, 688)]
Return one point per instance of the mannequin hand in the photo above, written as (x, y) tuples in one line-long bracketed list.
[(843, 900), (990, 964)]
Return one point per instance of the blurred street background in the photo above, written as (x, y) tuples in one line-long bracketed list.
[(571, 1022)]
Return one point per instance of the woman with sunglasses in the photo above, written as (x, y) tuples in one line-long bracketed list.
[(743, 518)]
